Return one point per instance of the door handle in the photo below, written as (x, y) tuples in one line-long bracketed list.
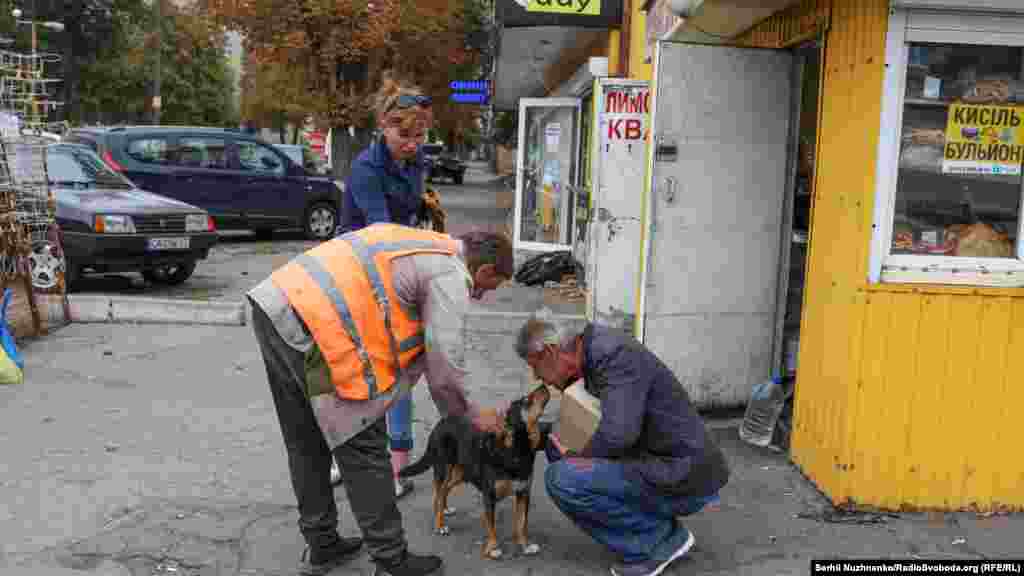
[(670, 190)]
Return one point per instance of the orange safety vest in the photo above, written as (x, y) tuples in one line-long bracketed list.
[(343, 291)]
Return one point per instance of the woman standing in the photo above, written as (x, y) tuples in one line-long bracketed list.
[(386, 185)]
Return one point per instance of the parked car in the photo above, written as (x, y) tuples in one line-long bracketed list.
[(440, 164), (305, 157), (108, 224), (241, 180)]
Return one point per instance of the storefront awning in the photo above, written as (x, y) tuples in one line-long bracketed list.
[(523, 56), (533, 35), (717, 21)]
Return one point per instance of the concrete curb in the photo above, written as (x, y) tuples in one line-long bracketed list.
[(495, 322), (89, 308), (106, 309)]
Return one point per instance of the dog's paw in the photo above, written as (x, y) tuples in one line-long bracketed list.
[(531, 549), (494, 554), (449, 511), (443, 531)]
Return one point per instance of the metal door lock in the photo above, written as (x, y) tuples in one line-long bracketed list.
[(669, 190)]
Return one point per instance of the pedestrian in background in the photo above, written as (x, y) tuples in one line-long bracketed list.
[(386, 184)]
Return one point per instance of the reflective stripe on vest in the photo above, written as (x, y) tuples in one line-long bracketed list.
[(346, 311)]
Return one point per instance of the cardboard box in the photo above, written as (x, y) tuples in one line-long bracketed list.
[(579, 415)]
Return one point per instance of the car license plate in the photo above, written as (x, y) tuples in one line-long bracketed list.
[(168, 243)]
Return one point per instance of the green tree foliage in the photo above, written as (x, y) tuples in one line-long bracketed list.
[(336, 50), (197, 84)]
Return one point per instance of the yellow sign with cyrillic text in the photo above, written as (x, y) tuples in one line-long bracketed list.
[(578, 7), (984, 139)]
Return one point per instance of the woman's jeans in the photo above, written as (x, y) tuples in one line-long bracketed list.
[(399, 418), (625, 514)]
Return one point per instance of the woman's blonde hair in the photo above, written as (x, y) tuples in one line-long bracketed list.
[(390, 89)]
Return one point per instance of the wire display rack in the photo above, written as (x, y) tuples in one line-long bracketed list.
[(30, 248)]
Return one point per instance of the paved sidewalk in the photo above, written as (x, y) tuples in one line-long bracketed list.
[(154, 450)]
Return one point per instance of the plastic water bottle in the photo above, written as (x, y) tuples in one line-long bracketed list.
[(766, 403)]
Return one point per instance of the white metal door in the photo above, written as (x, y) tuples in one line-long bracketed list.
[(713, 215), (620, 146), (547, 172)]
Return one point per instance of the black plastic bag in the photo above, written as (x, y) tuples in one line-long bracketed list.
[(549, 267)]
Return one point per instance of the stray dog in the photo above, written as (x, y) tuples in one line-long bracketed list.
[(499, 465)]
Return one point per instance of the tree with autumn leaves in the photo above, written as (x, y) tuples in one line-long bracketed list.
[(326, 58)]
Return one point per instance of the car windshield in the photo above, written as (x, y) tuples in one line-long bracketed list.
[(294, 153), (79, 166)]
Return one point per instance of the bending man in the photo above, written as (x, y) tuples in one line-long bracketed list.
[(347, 328)]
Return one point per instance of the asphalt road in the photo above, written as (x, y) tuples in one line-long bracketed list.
[(155, 451)]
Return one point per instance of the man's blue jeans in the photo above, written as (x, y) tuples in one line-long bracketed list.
[(399, 419), (625, 514)]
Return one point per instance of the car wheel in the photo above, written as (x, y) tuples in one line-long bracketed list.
[(458, 177), (44, 266), (320, 221), (171, 274)]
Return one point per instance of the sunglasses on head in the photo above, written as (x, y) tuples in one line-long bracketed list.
[(409, 100)]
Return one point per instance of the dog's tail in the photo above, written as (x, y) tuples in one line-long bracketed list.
[(418, 467)]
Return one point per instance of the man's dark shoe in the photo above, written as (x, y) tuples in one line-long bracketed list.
[(409, 565), (321, 560)]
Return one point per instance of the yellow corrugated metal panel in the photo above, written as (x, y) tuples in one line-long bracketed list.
[(869, 462), (612, 52), (985, 422), (937, 387), (1010, 474), (798, 23), (963, 343)]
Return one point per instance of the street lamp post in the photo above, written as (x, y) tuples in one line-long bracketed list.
[(36, 64)]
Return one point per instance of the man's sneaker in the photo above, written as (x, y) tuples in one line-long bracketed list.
[(320, 561), (409, 565), (654, 567)]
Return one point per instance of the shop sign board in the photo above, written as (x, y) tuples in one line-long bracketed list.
[(563, 13), (983, 139), (614, 236)]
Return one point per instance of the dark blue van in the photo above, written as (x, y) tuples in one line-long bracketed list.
[(241, 180)]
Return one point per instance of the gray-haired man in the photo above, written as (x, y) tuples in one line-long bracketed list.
[(650, 459)]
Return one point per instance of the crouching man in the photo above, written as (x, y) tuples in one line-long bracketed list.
[(651, 459)]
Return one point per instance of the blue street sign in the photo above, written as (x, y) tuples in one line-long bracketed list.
[(470, 85), (469, 97)]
